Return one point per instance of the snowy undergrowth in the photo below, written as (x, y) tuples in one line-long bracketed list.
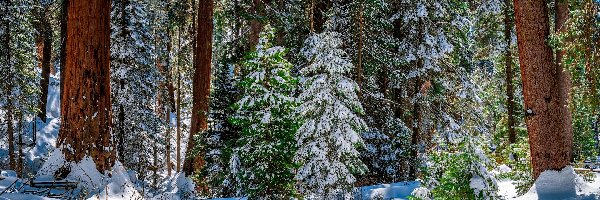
[(118, 183)]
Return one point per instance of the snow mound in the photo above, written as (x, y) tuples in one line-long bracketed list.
[(400, 190), (564, 184), (90, 180), (120, 185), (55, 161), (176, 187), (502, 169)]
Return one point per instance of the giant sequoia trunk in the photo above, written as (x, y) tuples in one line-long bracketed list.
[(546, 112), (86, 106), (201, 83)]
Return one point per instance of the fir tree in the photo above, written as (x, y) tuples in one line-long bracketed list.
[(329, 138), (266, 115)]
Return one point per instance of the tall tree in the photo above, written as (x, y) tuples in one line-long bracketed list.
[(510, 90), (545, 112), (86, 106), (201, 82), (561, 14), (44, 45)]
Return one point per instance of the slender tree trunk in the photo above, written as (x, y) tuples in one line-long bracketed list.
[(510, 90), (564, 83), (11, 134), (86, 106), (201, 83), (168, 140), (20, 144), (312, 16), (8, 91), (545, 111), (178, 120), (45, 36), (359, 67), (63, 45)]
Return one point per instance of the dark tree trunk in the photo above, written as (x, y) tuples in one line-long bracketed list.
[(86, 106), (201, 84), (45, 53), (11, 134), (510, 90), (546, 114), (63, 45)]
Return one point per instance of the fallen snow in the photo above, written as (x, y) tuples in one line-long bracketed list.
[(564, 184), (389, 191), (119, 187)]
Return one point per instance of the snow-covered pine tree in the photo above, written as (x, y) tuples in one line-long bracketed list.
[(329, 138), (134, 80), (266, 116), (19, 87)]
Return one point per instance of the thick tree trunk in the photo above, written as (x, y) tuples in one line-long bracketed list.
[(510, 90), (564, 84), (201, 83), (545, 112), (86, 106)]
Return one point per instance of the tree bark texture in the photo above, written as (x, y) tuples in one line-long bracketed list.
[(545, 112), (86, 106), (201, 83), (560, 16)]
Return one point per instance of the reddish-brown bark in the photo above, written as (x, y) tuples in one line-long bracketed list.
[(564, 83), (86, 106), (545, 112), (201, 83)]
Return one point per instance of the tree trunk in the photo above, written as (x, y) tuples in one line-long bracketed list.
[(168, 141), (510, 90), (178, 120), (545, 112), (201, 83), (44, 51), (359, 67), (86, 106), (564, 83), (11, 134), (20, 143), (256, 25), (63, 45)]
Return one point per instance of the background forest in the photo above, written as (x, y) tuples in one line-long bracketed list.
[(307, 99)]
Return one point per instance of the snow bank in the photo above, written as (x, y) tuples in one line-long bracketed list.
[(388, 191), (120, 185), (564, 184), (176, 187), (55, 161)]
